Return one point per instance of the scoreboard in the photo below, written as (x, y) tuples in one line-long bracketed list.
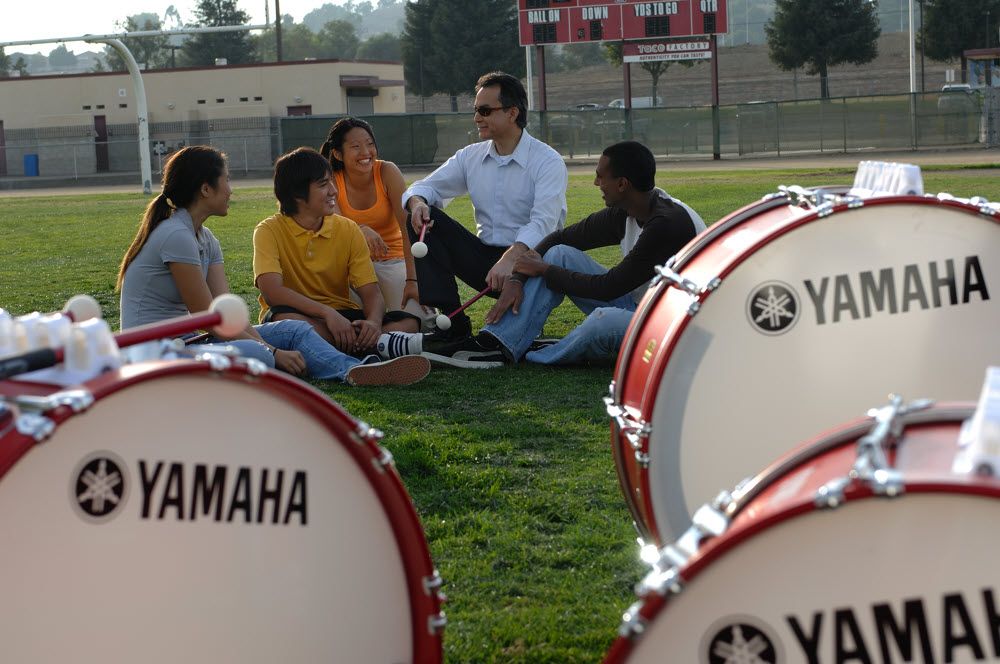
[(575, 21)]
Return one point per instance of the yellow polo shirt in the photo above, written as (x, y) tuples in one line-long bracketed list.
[(322, 265)]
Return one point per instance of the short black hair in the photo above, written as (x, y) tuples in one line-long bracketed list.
[(634, 162), (294, 172), (335, 139), (512, 93)]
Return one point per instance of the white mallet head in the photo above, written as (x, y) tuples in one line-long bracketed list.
[(442, 322), (418, 249), (234, 312), (81, 308)]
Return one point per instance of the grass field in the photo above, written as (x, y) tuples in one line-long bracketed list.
[(510, 470)]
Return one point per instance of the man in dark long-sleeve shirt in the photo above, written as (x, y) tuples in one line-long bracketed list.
[(649, 226)]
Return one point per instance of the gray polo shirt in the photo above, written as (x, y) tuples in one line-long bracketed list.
[(149, 293)]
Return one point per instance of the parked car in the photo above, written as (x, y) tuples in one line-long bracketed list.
[(637, 102)]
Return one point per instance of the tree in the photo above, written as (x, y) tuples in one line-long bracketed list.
[(656, 69), (203, 49), (5, 64), (21, 67), (385, 47), (149, 52), (338, 40), (448, 44), (298, 42), (819, 34), (953, 26), (61, 58)]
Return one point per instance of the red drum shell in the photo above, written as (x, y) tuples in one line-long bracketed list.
[(712, 398), (776, 510), (282, 573)]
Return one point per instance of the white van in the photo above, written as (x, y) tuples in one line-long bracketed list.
[(637, 102)]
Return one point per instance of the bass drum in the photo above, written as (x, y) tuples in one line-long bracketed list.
[(187, 510), (786, 318), (805, 564)]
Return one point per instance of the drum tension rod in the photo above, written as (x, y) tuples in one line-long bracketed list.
[(695, 290), (872, 465)]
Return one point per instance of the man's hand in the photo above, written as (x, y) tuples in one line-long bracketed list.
[(510, 298), (410, 292), (420, 213), (290, 361), (376, 245), (499, 274), (530, 263), (341, 330), (368, 333)]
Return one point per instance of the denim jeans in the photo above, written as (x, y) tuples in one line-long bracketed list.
[(323, 361), (598, 337), (246, 347)]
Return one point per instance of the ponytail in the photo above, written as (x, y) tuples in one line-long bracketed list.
[(158, 209)]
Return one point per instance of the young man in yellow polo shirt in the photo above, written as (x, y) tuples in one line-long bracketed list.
[(306, 260)]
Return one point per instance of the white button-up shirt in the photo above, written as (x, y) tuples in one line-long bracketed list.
[(520, 197)]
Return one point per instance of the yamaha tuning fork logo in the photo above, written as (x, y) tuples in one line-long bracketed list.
[(100, 486), (773, 307), (737, 641)]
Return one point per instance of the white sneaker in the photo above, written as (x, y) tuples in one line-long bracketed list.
[(397, 344)]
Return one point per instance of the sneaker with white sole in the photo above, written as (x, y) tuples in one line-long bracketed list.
[(404, 370), (398, 344), (482, 351)]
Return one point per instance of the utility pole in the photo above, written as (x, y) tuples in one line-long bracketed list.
[(277, 25)]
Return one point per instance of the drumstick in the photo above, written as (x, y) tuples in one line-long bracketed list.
[(419, 249), (227, 316), (444, 322)]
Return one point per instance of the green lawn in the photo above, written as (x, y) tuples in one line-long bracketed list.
[(510, 470)]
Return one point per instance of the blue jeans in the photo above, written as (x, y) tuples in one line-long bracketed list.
[(323, 361), (598, 337), (246, 347)]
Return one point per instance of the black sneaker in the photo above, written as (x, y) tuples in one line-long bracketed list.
[(540, 343), (479, 352)]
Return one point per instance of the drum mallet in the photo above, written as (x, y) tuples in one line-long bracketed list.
[(81, 307), (419, 249), (227, 316), (444, 322)]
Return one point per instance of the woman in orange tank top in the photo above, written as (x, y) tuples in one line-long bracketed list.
[(369, 191)]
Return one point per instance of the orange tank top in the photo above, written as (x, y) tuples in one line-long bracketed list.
[(379, 216)]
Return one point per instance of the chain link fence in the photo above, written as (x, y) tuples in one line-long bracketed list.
[(844, 124)]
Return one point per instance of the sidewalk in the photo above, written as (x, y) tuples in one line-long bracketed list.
[(981, 157)]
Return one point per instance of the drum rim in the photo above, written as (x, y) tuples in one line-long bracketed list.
[(385, 481), (647, 400)]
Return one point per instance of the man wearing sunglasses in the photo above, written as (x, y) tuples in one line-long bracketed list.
[(518, 189)]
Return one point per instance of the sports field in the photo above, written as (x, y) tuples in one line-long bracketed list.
[(510, 469)]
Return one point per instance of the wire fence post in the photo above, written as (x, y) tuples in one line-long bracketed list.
[(844, 100)]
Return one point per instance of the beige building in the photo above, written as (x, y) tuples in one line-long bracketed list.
[(86, 123)]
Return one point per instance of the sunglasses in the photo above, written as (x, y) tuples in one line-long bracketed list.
[(485, 111)]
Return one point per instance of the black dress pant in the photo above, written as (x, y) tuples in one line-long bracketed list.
[(452, 253)]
